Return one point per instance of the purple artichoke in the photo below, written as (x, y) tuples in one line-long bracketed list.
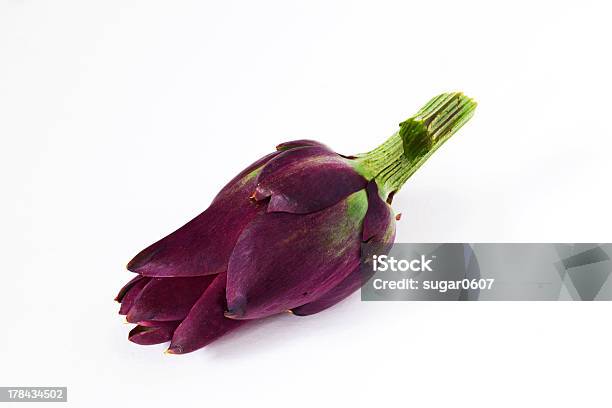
[(291, 232)]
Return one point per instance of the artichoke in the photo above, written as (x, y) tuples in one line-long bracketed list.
[(291, 232)]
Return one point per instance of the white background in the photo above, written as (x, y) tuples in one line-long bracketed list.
[(119, 121)]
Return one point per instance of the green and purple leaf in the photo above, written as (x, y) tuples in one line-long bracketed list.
[(305, 180), (283, 260)]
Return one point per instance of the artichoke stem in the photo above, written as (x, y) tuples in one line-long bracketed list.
[(393, 162)]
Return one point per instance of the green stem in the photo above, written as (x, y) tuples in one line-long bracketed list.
[(393, 162)]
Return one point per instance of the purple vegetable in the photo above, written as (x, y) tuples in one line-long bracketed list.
[(294, 231)]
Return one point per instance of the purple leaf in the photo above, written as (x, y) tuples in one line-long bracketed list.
[(167, 299), (205, 322), (203, 245), (283, 260), (127, 287), (299, 143), (338, 293), (127, 300), (379, 232), (379, 214), (305, 180), (147, 334)]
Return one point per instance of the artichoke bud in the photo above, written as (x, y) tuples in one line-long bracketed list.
[(291, 232)]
